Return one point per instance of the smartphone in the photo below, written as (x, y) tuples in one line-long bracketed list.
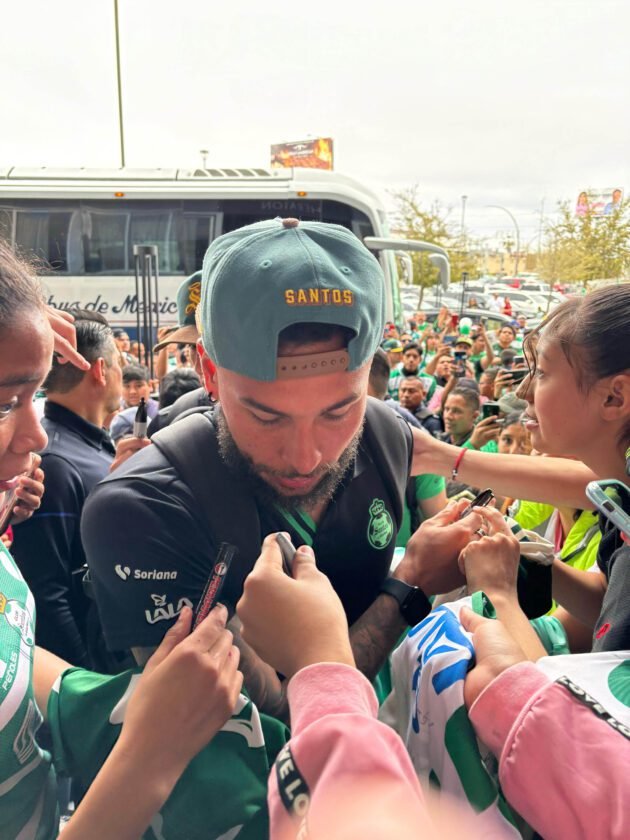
[(490, 409), (519, 375), (8, 500), (288, 553), (596, 492), (519, 361), (215, 583), (449, 340)]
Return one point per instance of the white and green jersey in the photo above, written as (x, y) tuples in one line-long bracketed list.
[(427, 709), (222, 794), (28, 798)]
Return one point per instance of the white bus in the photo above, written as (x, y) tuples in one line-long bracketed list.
[(83, 223)]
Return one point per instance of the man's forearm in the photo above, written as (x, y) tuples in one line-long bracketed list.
[(264, 687), (375, 633)]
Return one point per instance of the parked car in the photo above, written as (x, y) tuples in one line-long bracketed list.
[(492, 321)]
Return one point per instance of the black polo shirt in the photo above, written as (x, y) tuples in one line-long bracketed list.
[(47, 547), (149, 553)]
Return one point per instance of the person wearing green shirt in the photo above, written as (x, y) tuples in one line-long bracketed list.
[(411, 365), (461, 412)]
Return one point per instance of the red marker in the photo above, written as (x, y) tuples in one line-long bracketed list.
[(215, 583)]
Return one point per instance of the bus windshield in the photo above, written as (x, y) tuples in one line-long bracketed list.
[(97, 237)]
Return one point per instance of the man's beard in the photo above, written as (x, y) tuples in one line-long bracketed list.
[(245, 467)]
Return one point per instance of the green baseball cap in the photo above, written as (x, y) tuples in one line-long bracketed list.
[(188, 297), (260, 279), (392, 346)]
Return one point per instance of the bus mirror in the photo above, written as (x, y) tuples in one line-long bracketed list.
[(444, 266)]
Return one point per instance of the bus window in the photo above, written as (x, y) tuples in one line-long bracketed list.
[(104, 242), (193, 233), (6, 224), (154, 229), (45, 234)]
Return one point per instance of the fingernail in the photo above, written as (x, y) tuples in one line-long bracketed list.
[(306, 550), (221, 611)]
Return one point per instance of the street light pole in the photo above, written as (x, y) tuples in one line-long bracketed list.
[(120, 110), (464, 200), (516, 230)]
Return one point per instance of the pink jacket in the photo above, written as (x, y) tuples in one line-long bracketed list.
[(564, 769), (561, 767), (348, 761)]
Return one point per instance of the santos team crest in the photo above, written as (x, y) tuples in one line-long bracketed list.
[(381, 527)]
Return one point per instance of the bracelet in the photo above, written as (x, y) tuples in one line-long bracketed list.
[(458, 461)]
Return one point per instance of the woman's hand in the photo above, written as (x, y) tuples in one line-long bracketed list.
[(490, 563), (485, 431), (292, 622), (503, 382), (29, 492), (187, 691), (495, 652), (62, 324), (125, 448)]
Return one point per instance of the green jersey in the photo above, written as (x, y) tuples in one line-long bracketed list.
[(397, 376), (28, 796), (223, 792)]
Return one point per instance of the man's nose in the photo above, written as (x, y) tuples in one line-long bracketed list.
[(301, 451)]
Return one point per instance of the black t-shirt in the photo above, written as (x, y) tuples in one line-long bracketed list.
[(150, 551), (612, 630)]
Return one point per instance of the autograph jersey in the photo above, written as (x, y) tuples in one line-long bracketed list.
[(28, 798), (221, 795)]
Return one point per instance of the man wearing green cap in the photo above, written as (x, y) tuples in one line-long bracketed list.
[(290, 316), (188, 297), (186, 332)]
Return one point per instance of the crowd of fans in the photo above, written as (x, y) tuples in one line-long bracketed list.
[(425, 667)]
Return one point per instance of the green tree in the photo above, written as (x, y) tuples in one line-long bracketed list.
[(411, 220), (588, 247)]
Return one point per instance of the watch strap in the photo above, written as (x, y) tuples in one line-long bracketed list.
[(414, 604)]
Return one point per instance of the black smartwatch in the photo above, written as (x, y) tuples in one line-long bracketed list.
[(414, 604)]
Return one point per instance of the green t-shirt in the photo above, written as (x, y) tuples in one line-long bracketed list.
[(397, 376), (491, 446), (427, 486), (223, 791), (28, 794)]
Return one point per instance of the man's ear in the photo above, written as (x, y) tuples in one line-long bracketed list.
[(98, 371), (208, 371)]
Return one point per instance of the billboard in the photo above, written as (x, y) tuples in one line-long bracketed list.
[(598, 202), (316, 153)]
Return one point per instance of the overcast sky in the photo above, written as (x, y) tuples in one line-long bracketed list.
[(505, 101)]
